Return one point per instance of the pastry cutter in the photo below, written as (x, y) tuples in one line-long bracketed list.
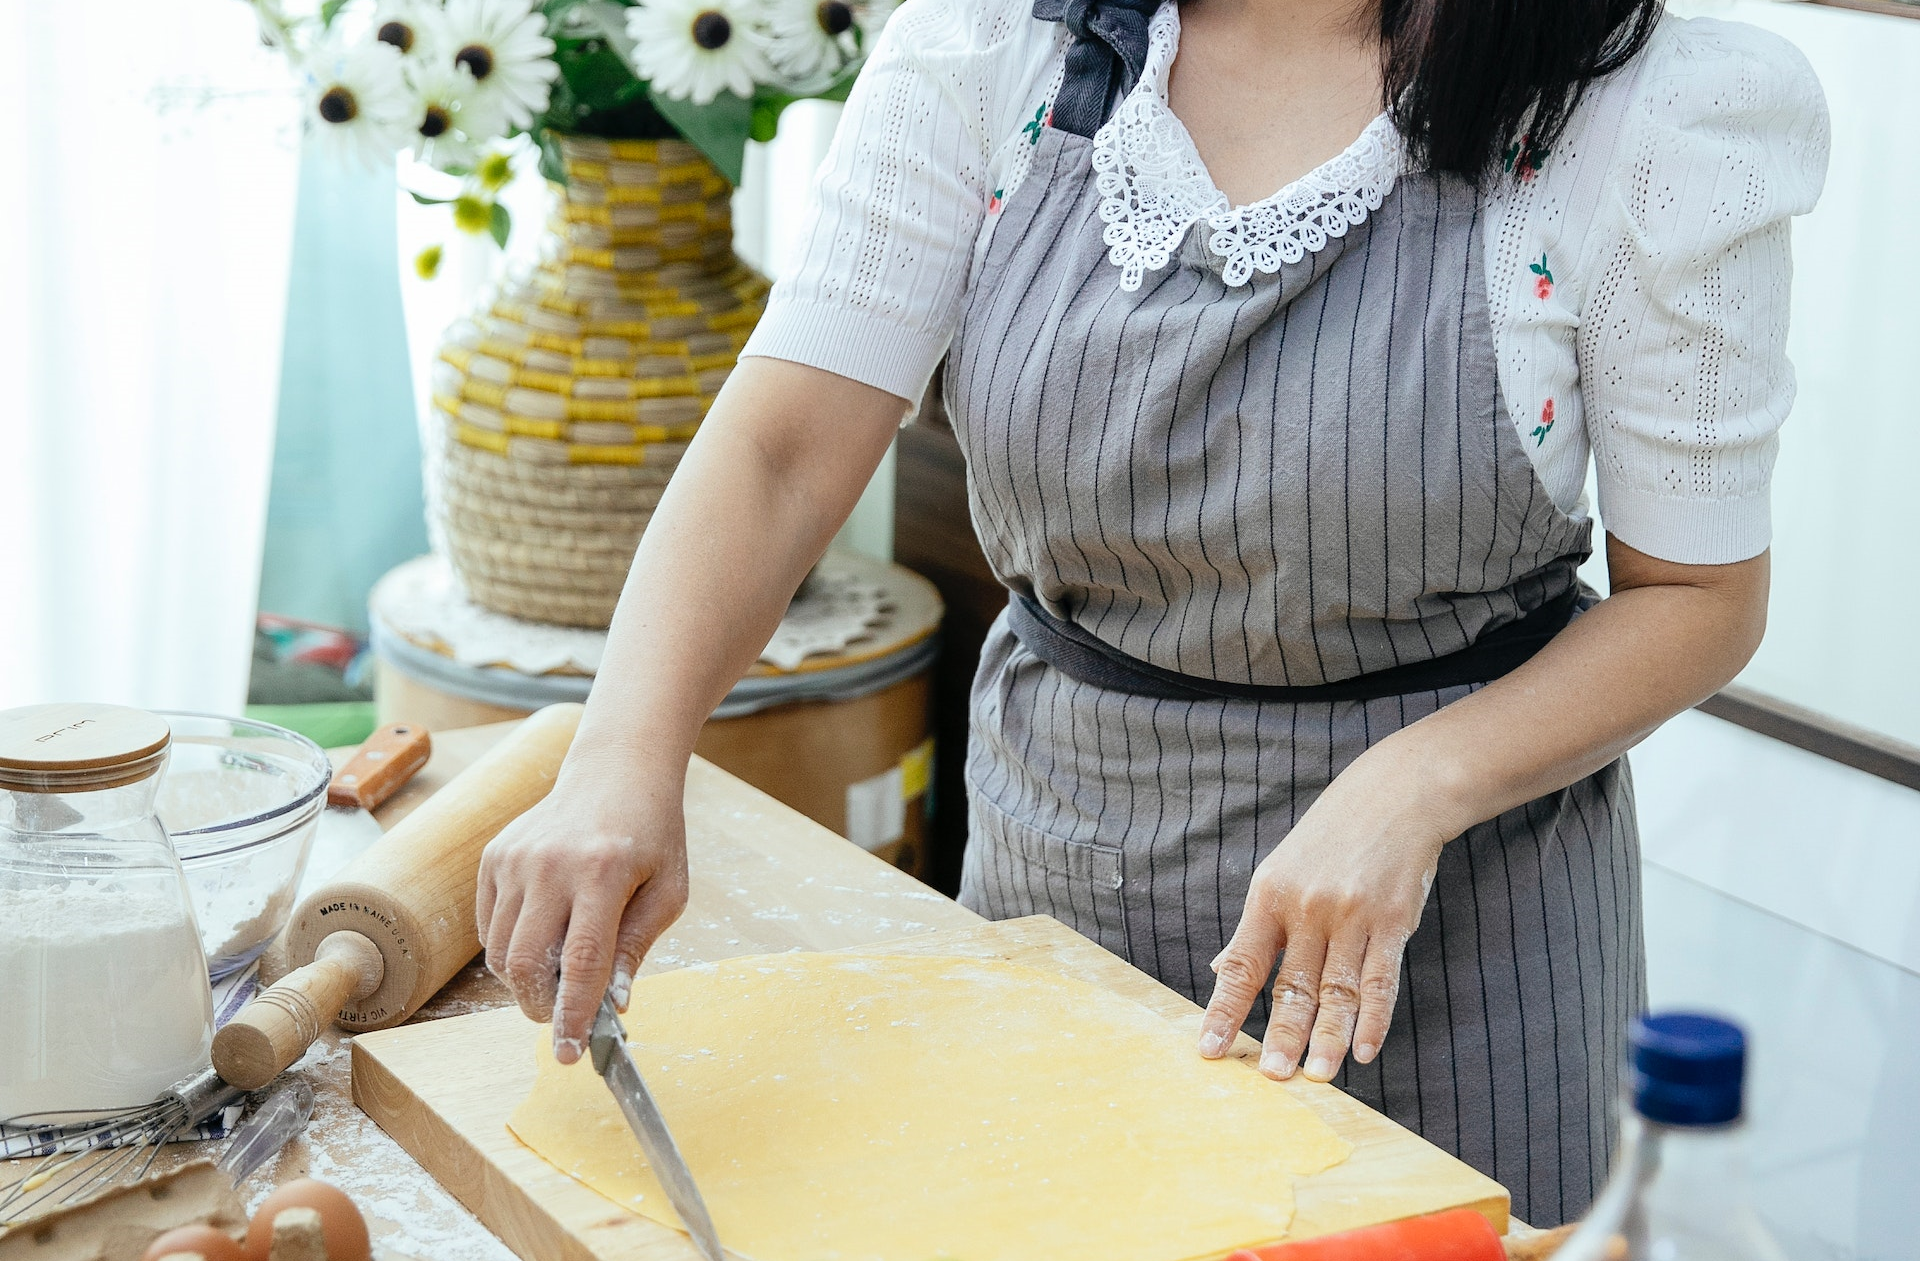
[(608, 1044)]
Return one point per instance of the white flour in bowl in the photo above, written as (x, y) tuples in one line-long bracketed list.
[(104, 995)]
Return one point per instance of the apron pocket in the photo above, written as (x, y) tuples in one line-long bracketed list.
[(1013, 869)]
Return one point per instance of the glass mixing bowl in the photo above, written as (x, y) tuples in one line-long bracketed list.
[(242, 801)]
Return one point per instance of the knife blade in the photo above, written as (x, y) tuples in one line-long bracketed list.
[(380, 768), (608, 1046)]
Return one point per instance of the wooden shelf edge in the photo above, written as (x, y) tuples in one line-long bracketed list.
[(1888, 8), (1831, 738)]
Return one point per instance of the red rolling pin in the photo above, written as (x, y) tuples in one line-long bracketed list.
[(1459, 1235)]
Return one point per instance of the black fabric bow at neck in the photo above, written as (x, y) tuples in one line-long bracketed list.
[(1108, 52)]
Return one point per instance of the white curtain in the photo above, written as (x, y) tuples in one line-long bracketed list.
[(146, 211)]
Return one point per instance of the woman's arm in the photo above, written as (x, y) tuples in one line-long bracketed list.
[(574, 892), (1345, 889)]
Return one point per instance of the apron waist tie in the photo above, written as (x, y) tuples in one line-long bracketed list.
[(1080, 656)]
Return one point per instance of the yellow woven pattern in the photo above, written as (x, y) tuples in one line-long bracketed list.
[(606, 357), (642, 299)]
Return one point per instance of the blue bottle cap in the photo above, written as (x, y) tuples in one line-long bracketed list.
[(1687, 1068)]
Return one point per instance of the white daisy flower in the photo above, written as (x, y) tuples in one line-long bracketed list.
[(357, 100), (697, 48), (809, 40), (503, 45), (412, 26), (452, 119)]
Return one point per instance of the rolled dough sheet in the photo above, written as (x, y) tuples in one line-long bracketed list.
[(870, 1108)]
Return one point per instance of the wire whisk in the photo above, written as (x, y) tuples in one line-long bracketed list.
[(78, 1158)]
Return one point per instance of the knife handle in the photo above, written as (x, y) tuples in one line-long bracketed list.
[(387, 760)]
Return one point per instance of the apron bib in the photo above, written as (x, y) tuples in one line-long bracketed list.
[(1306, 479)]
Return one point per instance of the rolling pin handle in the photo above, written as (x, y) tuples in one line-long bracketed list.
[(278, 1026)]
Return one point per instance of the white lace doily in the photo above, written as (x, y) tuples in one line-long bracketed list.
[(422, 603), (837, 607), (844, 604), (1154, 187)]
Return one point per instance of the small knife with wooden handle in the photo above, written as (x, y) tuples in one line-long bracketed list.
[(385, 761), (380, 768)]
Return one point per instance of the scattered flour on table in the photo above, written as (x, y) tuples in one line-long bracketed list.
[(412, 1218), (105, 998)]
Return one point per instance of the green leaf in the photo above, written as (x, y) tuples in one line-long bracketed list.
[(500, 225), (425, 200), (553, 164), (330, 10), (719, 129), (598, 78)]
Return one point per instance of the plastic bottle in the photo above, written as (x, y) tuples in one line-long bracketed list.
[(1679, 1190)]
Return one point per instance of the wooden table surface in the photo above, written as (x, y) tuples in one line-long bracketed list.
[(764, 878)]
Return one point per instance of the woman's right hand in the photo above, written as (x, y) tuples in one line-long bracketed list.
[(575, 891)]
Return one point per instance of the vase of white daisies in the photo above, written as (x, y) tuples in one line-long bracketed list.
[(564, 403), (455, 80)]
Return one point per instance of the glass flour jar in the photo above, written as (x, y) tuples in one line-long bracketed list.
[(102, 979)]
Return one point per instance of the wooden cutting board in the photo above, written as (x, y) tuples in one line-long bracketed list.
[(445, 1089)]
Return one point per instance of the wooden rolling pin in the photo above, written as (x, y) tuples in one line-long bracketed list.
[(371, 946), (1458, 1235)]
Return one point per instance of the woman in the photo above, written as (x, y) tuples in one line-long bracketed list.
[(1288, 488)]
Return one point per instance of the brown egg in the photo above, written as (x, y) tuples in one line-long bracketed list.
[(201, 1241), (345, 1229)]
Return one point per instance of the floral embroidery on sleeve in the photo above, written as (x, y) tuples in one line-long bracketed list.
[(1541, 430), (994, 201), (1523, 159), (1542, 279), (1042, 117)]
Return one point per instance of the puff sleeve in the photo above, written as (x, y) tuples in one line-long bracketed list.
[(1682, 340), (891, 223)]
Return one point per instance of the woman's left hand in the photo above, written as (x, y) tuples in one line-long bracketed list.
[(1340, 896)]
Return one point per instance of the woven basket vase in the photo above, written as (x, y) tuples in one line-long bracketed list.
[(566, 405)]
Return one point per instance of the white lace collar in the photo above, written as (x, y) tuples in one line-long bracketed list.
[(1153, 186)]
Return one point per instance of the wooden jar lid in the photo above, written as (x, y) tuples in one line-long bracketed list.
[(79, 748)]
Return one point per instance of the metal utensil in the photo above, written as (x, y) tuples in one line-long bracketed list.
[(284, 1114), (608, 1044), (381, 767), (93, 1155), (80, 1153)]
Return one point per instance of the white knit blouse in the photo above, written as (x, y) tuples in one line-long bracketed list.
[(1638, 273)]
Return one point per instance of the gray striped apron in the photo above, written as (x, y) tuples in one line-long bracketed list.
[(1293, 482)]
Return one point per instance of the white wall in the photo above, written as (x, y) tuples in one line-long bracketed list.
[(1845, 630)]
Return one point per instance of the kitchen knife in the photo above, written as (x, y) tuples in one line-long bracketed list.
[(608, 1044), (380, 768)]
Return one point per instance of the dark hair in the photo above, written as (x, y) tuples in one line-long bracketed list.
[(1479, 85)]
